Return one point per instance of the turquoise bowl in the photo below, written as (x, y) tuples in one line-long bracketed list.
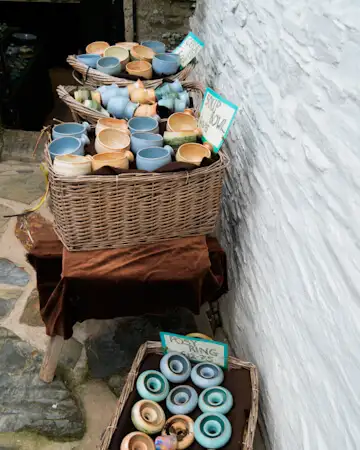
[(216, 399), (212, 430), (153, 158), (176, 367), (166, 63), (145, 140), (156, 46), (152, 385), (182, 400), (66, 146), (72, 129), (109, 65), (144, 124), (90, 59), (205, 375)]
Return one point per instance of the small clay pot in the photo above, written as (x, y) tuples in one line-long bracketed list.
[(152, 385), (205, 375), (137, 441), (183, 428), (182, 400), (148, 417), (212, 430), (215, 399), (176, 367), (166, 443)]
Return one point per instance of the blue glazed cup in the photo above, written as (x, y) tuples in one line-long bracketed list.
[(67, 146), (156, 46), (116, 106), (130, 110), (166, 63), (145, 140), (109, 65), (72, 129), (169, 103), (176, 86), (90, 59), (153, 158), (180, 105), (144, 124)]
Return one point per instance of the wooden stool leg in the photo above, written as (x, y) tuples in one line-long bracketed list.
[(51, 358)]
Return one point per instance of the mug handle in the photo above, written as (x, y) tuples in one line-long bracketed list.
[(171, 150), (84, 139), (129, 155), (89, 157), (198, 132), (189, 111), (86, 126)]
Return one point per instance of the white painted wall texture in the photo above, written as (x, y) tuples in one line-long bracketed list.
[(291, 210)]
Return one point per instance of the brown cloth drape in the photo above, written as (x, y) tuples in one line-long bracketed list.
[(104, 284)]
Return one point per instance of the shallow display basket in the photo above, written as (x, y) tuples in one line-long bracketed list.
[(93, 77), (244, 375), (81, 112)]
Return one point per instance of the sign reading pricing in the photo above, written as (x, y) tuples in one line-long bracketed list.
[(188, 49), (199, 350), (216, 117)]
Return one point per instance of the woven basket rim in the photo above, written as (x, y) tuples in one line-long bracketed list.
[(155, 347)]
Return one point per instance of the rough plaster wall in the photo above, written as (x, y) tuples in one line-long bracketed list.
[(166, 20), (291, 221)]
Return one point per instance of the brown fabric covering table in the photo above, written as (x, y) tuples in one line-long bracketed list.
[(237, 381), (104, 284)]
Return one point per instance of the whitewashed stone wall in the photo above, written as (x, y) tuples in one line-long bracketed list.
[(291, 210)]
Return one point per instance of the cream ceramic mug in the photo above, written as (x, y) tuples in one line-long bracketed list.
[(72, 165), (118, 160)]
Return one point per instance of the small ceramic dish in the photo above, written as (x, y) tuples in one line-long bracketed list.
[(97, 47), (142, 53), (192, 153), (111, 140), (122, 54), (140, 69)]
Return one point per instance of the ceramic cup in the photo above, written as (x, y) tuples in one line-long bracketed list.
[(166, 63), (116, 106), (144, 124), (119, 160), (179, 105), (156, 46), (182, 427), (111, 140), (182, 400), (120, 53), (205, 375), (89, 59), (108, 122), (97, 47), (72, 165), (193, 153), (112, 91), (153, 158), (109, 65), (176, 367), (78, 130), (130, 110), (169, 103), (145, 140), (66, 146), (212, 430)]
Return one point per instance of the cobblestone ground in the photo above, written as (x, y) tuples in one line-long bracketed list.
[(72, 412)]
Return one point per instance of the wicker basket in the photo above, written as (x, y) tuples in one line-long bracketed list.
[(245, 441), (96, 212), (93, 77), (80, 111)]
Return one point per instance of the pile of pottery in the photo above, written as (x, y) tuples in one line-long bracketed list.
[(134, 100), (141, 60), (211, 429), (119, 142)]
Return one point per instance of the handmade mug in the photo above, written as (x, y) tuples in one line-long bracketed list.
[(119, 160), (145, 140), (90, 59), (193, 153), (111, 140), (67, 146), (144, 124), (109, 65), (72, 165), (121, 107), (109, 122), (153, 158), (166, 63), (73, 129), (156, 46)]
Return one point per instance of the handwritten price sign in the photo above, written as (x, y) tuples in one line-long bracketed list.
[(199, 350), (188, 49), (216, 117)]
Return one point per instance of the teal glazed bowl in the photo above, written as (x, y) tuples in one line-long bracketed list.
[(145, 140), (166, 63), (153, 158), (90, 59), (109, 65)]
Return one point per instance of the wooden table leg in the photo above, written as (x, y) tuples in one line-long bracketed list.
[(51, 358)]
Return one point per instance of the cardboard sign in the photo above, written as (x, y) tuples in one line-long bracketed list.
[(199, 350), (216, 117), (188, 49)]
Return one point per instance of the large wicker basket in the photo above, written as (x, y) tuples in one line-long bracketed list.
[(79, 111), (245, 440), (93, 77), (97, 212)]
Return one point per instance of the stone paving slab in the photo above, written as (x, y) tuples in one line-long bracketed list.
[(8, 298), (31, 314), (12, 274), (4, 211)]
